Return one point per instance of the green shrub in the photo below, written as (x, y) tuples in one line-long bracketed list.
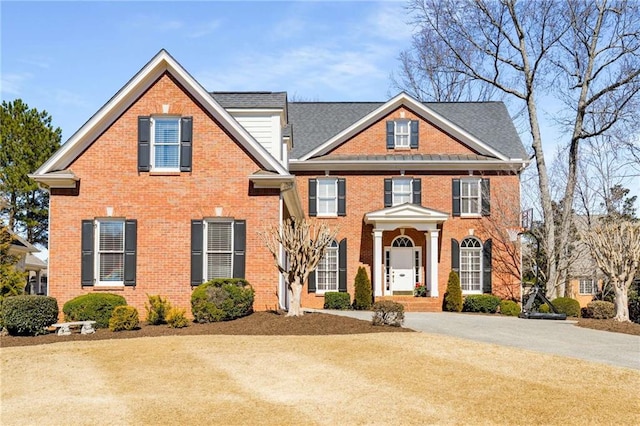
[(567, 305), (337, 300), (387, 312), (362, 295), (157, 309), (124, 318), (222, 299), (544, 309), (599, 309), (29, 315), (96, 307), (634, 304), (176, 318), (487, 303), (510, 308), (453, 295)]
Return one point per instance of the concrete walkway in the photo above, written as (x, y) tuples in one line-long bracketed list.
[(553, 337)]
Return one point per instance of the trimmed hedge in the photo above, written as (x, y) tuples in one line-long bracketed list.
[(362, 293), (599, 309), (124, 318), (222, 299), (481, 303), (567, 305), (387, 312), (509, 308), (453, 296), (336, 300), (29, 315), (96, 307)]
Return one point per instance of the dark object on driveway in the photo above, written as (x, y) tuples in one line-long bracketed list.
[(529, 313)]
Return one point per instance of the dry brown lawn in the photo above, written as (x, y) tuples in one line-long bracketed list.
[(381, 378)]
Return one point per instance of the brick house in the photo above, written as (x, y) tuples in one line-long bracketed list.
[(167, 185)]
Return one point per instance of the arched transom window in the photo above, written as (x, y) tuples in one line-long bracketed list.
[(471, 265), (402, 242)]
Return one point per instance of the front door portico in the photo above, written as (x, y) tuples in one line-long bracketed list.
[(398, 217)]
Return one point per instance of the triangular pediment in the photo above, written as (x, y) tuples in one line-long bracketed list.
[(405, 215)]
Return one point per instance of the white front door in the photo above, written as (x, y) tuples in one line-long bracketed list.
[(402, 270)]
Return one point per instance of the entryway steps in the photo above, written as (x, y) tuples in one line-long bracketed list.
[(416, 304)]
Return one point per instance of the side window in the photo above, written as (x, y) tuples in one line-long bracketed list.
[(109, 252), (218, 244), (217, 249), (327, 197), (471, 197)]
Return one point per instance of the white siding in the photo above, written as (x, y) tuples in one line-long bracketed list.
[(266, 129)]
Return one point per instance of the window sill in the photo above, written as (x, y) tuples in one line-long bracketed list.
[(470, 215), (165, 173), (108, 288), (402, 148), (327, 216)]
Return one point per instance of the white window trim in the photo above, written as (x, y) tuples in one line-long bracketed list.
[(481, 271), (593, 286), (393, 192), (153, 143), (396, 133), (478, 182), (328, 214), (205, 245), (97, 252), (334, 246)]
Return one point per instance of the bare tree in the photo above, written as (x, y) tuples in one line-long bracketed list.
[(615, 246), (304, 244), (583, 54)]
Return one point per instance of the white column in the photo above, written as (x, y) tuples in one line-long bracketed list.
[(433, 262), (427, 263), (378, 268)]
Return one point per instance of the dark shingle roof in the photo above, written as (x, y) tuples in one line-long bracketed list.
[(316, 122), (404, 157), (251, 99)]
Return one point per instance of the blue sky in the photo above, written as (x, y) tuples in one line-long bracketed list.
[(69, 58)]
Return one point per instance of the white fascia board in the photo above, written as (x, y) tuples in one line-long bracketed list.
[(56, 180), (385, 165), (118, 104), (403, 99), (270, 180)]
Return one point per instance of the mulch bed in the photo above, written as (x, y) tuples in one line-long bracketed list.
[(256, 324), (610, 325)]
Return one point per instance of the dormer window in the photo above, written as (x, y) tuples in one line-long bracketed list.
[(402, 134)]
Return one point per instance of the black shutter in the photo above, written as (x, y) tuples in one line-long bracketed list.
[(455, 255), (486, 266), (130, 245), (312, 281), (485, 187), (239, 247), (414, 134), (197, 257), (87, 252), (388, 192), (391, 126), (312, 197), (342, 200), (342, 265), (186, 145), (144, 141), (456, 197), (417, 191)]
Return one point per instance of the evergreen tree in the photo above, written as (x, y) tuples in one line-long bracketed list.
[(362, 296), (453, 296), (12, 281), (27, 139)]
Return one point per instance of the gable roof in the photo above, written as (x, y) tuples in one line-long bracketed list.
[(251, 100), (161, 63), (485, 126)]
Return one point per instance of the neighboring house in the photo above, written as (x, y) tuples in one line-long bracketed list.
[(585, 279), (167, 185)]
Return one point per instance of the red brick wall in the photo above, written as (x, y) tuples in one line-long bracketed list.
[(163, 205), (373, 139)]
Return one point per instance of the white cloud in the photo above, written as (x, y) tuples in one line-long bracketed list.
[(11, 84)]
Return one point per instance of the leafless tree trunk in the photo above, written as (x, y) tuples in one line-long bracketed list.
[(616, 248), (304, 244), (583, 54)]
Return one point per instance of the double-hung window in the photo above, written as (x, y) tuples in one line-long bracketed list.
[(402, 191), (471, 265), (587, 286), (110, 252), (219, 249), (327, 197), (165, 143), (402, 134), (470, 197), (327, 271)]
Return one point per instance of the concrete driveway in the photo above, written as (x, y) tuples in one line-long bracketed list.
[(553, 337)]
